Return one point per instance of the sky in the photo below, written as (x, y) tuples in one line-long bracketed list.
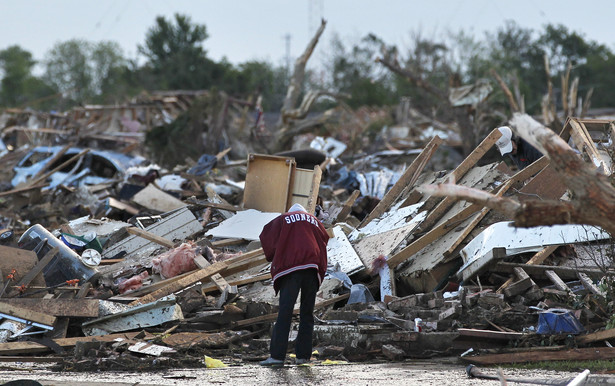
[(275, 30)]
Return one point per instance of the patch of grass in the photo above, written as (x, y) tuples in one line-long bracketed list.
[(597, 366)]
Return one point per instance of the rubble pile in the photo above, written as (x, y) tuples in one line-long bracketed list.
[(113, 265)]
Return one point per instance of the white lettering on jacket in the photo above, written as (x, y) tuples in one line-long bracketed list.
[(300, 217)]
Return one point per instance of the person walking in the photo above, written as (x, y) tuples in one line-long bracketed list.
[(295, 243)]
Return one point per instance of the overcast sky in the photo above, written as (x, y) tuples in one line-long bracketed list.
[(256, 29)]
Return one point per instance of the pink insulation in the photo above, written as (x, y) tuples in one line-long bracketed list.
[(134, 283), (176, 261)]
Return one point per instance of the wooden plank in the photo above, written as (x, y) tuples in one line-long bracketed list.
[(81, 308), (182, 283), (42, 178), (489, 334), (596, 336), (24, 313), (347, 207), (578, 354), (267, 185), (432, 235), (226, 242), (272, 317), (408, 179), (218, 280), (555, 279), (253, 279), (568, 273), (150, 236), (538, 258), (38, 268), (589, 284), (306, 184), (51, 161), (458, 173), (523, 283), (115, 203), (29, 347), (314, 190)]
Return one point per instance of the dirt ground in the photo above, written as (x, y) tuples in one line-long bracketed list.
[(412, 372)]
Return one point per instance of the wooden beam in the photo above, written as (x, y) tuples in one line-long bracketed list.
[(538, 258), (150, 236), (261, 277), (24, 313), (272, 317), (555, 279), (461, 170), (81, 308), (29, 347), (182, 283), (341, 216), (408, 179), (578, 354)]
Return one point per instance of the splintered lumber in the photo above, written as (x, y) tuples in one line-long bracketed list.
[(30, 347), (226, 242), (578, 354), (555, 279), (568, 273), (432, 235), (595, 336), (523, 283), (589, 284), (182, 283), (20, 314), (459, 172), (538, 258), (38, 268), (51, 161), (150, 236), (273, 316), (345, 211), (213, 287), (42, 178), (218, 280), (81, 308), (408, 179)]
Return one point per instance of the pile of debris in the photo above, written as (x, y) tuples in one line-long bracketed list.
[(116, 263)]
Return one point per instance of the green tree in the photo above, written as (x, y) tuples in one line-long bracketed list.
[(16, 65), (176, 56), (68, 70), (108, 67)]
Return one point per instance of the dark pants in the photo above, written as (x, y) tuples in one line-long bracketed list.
[(305, 280)]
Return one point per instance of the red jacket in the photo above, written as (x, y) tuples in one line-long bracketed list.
[(294, 241)]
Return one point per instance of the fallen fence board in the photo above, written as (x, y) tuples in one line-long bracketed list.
[(27, 314), (579, 354), (182, 283), (81, 308), (29, 347)]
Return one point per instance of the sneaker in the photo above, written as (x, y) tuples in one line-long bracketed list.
[(301, 361), (271, 362)]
